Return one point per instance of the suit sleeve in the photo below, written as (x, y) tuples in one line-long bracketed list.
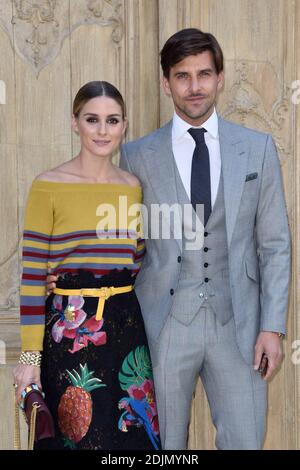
[(273, 241)]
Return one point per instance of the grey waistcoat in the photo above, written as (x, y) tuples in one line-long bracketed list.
[(204, 278)]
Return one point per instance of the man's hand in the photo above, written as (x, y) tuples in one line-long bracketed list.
[(50, 283), (268, 349)]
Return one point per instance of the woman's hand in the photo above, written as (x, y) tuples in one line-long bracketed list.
[(25, 375)]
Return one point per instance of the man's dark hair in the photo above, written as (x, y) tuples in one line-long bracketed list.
[(190, 41)]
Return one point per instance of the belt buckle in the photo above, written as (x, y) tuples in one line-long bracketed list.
[(105, 292)]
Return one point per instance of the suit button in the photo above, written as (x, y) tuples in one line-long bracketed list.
[(201, 295), (205, 234), (206, 265), (172, 291), (179, 259), (206, 279), (205, 249)]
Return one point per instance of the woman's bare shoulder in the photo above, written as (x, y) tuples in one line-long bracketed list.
[(57, 174)]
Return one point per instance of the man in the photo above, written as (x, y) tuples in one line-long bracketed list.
[(217, 311)]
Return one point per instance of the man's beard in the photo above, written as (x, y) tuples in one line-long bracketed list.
[(197, 114)]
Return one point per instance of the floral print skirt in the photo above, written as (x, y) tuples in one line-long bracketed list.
[(97, 375)]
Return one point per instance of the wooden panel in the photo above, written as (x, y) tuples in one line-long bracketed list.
[(293, 412), (9, 181), (141, 67)]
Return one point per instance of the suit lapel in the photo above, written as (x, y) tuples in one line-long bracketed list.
[(234, 156), (159, 166)]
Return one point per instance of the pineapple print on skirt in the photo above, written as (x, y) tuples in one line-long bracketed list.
[(97, 378), (75, 407)]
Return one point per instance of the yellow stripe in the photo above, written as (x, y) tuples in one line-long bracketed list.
[(34, 291), (32, 337), (32, 264), (32, 244), (82, 243), (97, 260)]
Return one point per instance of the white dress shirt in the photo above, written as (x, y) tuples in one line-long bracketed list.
[(184, 146)]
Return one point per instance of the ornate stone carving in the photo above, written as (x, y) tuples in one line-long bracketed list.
[(38, 28), (35, 28), (107, 16), (36, 15), (249, 103), (96, 7)]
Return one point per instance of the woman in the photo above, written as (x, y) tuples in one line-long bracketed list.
[(95, 367)]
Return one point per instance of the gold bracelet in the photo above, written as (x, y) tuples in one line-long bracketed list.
[(31, 358)]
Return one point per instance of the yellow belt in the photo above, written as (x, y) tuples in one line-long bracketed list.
[(103, 293)]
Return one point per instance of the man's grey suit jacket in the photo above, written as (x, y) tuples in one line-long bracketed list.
[(257, 230)]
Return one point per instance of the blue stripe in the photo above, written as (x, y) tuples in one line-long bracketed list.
[(31, 282), (33, 320), (33, 232), (45, 242), (34, 271), (32, 300), (35, 250)]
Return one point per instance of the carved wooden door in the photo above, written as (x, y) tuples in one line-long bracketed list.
[(49, 48)]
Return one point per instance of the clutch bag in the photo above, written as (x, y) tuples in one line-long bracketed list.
[(37, 415)]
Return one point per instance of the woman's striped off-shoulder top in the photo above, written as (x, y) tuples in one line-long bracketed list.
[(72, 226)]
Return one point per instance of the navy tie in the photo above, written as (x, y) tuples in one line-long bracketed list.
[(200, 175)]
